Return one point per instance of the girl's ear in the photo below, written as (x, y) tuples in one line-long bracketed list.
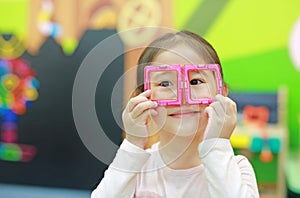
[(225, 90)]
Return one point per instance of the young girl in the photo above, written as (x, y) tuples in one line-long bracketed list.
[(193, 157)]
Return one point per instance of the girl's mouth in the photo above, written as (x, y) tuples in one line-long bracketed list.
[(184, 114)]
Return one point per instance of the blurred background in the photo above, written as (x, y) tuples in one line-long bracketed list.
[(43, 43)]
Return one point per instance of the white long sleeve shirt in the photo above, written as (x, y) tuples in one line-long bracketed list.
[(142, 174)]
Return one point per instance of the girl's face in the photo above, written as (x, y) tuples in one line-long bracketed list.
[(184, 120)]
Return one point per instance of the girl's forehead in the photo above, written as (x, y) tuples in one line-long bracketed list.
[(169, 73), (179, 54)]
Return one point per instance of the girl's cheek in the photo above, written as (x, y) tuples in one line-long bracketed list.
[(161, 116)]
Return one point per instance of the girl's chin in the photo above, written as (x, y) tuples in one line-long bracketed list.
[(183, 132)]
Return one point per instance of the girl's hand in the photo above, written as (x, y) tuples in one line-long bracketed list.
[(135, 118), (222, 116)]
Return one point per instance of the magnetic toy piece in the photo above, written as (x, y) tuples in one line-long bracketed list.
[(170, 82), (162, 75), (193, 96)]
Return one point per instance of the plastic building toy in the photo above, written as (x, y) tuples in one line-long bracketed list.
[(174, 80)]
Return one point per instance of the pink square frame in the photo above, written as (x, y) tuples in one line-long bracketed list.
[(177, 68), (218, 76), (183, 84)]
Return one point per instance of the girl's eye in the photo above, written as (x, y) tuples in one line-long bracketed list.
[(196, 81), (165, 84)]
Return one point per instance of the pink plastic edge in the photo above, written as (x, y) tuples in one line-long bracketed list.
[(176, 68), (214, 67)]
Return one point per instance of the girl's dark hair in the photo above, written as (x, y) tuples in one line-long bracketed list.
[(167, 42)]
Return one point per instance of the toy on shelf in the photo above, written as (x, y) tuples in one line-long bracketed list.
[(261, 135), (258, 117), (18, 88)]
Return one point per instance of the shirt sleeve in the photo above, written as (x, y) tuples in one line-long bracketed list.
[(120, 178), (227, 175)]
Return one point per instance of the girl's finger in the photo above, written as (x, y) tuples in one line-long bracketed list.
[(210, 111), (142, 118), (146, 93), (221, 99), (141, 107), (232, 109), (218, 108), (138, 99)]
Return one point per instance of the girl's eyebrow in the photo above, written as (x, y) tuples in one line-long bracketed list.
[(201, 72)]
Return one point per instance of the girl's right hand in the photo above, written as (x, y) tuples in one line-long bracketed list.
[(135, 117), (222, 118)]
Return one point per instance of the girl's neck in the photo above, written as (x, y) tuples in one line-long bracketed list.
[(179, 152)]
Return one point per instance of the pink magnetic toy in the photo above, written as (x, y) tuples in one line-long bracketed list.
[(182, 84)]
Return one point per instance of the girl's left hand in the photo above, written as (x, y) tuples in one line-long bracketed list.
[(221, 118)]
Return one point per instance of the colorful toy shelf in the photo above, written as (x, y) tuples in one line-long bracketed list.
[(262, 136), (266, 154)]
